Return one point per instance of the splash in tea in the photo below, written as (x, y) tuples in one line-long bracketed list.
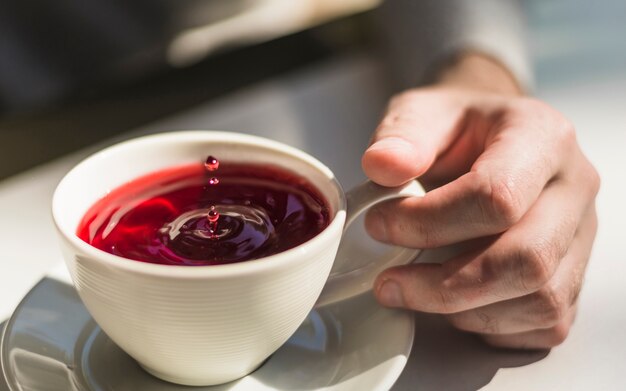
[(206, 214)]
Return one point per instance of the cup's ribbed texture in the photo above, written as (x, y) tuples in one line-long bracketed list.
[(221, 328)]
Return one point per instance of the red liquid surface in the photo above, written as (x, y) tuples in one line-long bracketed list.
[(166, 217)]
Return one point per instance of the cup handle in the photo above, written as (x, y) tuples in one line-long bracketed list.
[(359, 279)]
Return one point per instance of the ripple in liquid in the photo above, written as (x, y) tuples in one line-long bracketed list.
[(242, 230), (164, 217)]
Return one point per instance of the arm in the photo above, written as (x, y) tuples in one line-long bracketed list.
[(420, 36)]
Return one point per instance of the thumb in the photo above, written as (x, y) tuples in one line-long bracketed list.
[(418, 125)]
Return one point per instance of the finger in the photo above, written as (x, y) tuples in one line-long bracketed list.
[(506, 180), (544, 308), (518, 262), (415, 129), (536, 339)]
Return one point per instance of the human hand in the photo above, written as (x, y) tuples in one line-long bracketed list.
[(511, 182)]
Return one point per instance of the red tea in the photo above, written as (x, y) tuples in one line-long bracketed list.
[(198, 215)]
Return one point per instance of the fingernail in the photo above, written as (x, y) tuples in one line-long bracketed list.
[(390, 143), (390, 294)]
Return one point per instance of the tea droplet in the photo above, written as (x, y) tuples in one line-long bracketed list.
[(214, 181), (211, 163), (213, 216)]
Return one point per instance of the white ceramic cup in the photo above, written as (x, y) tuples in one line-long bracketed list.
[(205, 325)]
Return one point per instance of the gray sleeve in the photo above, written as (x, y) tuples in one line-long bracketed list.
[(420, 34)]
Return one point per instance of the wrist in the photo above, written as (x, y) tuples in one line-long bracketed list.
[(479, 72)]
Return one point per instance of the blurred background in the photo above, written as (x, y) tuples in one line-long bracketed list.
[(75, 72), (76, 75)]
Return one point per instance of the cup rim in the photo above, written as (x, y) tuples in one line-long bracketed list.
[(206, 271)]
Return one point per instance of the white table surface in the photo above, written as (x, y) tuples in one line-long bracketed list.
[(329, 111)]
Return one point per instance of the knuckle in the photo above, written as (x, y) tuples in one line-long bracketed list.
[(528, 106), (426, 236), (551, 121), (594, 180), (500, 201), (551, 305), (404, 230), (562, 130), (535, 264), (494, 271), (577, 287), (443, 302), (447, 303), (593, 224), (474, 321), (565, 131), (490, 324), (490, 270)]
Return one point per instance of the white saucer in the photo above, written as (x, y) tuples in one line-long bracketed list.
[(52, 343)]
